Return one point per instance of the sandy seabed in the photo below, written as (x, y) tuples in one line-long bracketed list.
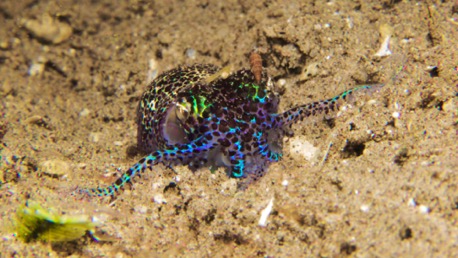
[(388, 188)]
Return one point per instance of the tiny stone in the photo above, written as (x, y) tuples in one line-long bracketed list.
[(426, 163), (364, 208), (396, 115), (424, 209), (372, 102), (299, 146), (37, 67), (4, 45), (54, 167), (412, 202), (159, 198), (84, 112), (141, 209), (451, 105), (191, 53), (94, 137), (310, 71), (72, 52), (281, 82), (117, 143), (317, 27), (152, 69), (48, 28)]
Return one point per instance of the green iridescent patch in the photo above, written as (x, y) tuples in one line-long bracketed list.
[(199, 105)]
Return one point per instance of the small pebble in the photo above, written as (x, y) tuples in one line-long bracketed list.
[(48, 29), (94, 137), (265, 213), (396, 115), (191, 53), (299, 146), (152, 69), (37, 67), (430, 68), (117, 143), (364, 208), (159, 198), (4, 45), (141, 209), (317, 26), (424, 209), (406, 41), (385, 32), (451, 105), (349, 22), (372, 102), (54, 167), (310, 71), (426, 163), (84, 112), (35, 120), (281, 82), (412, 202), (284, 183)]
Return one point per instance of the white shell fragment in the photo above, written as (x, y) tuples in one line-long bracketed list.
[(365, 208), (301, 147), (424, 209), (152, 69), (142, 209), (37, 67), (385, 32), (265, 213), (48, 29), (284, 183), (159, 198)]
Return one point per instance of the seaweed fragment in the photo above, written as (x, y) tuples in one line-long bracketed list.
[(34, 223)]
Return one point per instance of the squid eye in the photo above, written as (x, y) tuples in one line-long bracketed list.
[(172, 128), (182, 111)]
